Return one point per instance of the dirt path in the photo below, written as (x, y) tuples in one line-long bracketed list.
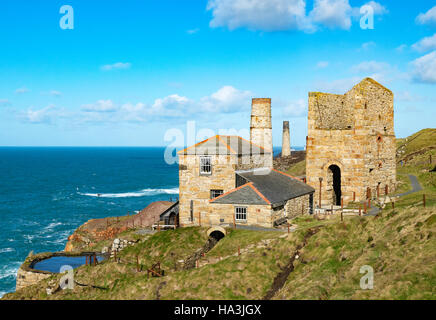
[(416, 187), (280, 279)]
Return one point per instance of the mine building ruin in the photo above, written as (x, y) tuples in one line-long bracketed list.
[(351, 144)]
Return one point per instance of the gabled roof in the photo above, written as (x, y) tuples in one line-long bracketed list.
[(265, 186), (245, 194), (224, 145)]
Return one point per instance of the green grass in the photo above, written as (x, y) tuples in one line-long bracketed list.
[(298, 169), (398, 244)]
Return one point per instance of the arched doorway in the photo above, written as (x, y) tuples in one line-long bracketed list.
[(334, 183)]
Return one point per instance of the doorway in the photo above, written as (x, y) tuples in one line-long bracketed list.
[(335, 183)]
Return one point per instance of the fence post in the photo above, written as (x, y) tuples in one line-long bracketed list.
[(393, 205), (320, 190), (354, 196), (288, 228), (360, 210)]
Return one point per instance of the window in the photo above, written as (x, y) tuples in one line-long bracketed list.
[(205, 165), (215, 193), (240, 213)]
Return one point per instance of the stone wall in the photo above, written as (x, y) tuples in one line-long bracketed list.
[(257, 215), (356, 133), (196, 187), (27, 278)]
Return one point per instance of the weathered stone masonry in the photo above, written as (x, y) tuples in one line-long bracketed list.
[(351, 143)]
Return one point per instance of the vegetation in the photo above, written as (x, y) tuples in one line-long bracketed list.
[(399, 244), (298, 169)]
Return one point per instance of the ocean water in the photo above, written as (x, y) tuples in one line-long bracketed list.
[(46, 193)]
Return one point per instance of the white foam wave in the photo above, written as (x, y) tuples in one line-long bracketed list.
[(10, 272), (140, 193), (6, 250), (52, 225)]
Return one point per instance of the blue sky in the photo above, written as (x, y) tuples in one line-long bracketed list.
[(129, 71)]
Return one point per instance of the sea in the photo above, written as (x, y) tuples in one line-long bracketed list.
[(48, 192)]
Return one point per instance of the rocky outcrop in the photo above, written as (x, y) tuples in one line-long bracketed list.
[(97, 230)]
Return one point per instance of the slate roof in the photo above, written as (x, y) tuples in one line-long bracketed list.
[(265, 186), (224, 145)]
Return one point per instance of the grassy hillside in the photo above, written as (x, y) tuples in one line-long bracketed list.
[(320, 260), (420, 141), (400, 245)]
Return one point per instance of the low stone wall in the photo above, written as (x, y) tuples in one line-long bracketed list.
[(27, 276)]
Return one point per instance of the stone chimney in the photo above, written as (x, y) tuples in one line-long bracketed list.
[(261, 130), (260, 126), (286, 140)]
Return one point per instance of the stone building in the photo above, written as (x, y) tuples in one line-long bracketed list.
[(351, 144), (227, 179)]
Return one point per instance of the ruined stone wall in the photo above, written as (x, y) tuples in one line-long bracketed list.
[(27, 278), (356, 133), (196, 187)]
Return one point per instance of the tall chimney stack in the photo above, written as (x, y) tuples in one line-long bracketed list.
[(286, 140), (260, 126)]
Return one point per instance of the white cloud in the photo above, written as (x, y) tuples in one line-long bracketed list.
[(192, 31), (424, 68), (378, 8), (427, 18), (322, 64), (296, 108), (370, 67), (100, 106), (271, 15), (280, 15), (426, 44), (339, 86), (227, 99), (55, 93), (21, 90), (116, 66), (368, 45), (4, 103), (44, 115), (332, 13), (401, 48)]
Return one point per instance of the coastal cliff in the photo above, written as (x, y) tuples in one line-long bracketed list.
[(96, 233)]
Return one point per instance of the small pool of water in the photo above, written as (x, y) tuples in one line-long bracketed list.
[(54, 264)]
